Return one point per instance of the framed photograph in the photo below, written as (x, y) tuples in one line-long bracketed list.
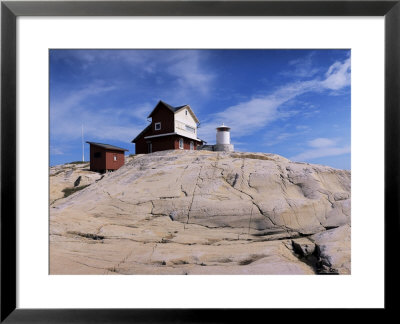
[(164, 158)]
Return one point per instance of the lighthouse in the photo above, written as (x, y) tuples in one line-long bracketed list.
[(223, 139)]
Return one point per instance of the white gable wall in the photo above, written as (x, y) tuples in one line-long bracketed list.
[(182, 120)]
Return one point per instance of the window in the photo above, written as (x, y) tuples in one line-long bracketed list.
[(157, 126), (181, 143), (186, 112), (190, 129), (97, 154), (191, 146), (115, 158)]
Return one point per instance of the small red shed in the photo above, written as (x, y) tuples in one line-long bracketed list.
[(105, 157)]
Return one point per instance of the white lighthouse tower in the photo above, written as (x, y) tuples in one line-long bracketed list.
[(223, 139)]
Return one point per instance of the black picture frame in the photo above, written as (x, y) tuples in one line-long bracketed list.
[(10, 10)]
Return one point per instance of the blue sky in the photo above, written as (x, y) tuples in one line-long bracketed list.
[(295, 103)]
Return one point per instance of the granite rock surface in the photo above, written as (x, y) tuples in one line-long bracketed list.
[(202, 212)]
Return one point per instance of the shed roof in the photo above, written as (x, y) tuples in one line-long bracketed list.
[(107, 146)]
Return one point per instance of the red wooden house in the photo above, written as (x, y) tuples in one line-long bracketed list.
[(105, 157), (171, 128)]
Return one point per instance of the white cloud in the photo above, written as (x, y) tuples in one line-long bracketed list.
[(302, 67), (321, 152), (337, 76), (244, 118), (302, 127), (186, 68), (321, 147), (89, 58), (278, 135), (322, 142), (252, 115), (68, 113), (56, 151), (139, 111)]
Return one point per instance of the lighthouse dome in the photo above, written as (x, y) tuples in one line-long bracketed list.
[(223, 128)]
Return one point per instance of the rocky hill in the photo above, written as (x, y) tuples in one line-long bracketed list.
[(201, 212)]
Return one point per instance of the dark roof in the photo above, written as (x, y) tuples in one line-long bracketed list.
[(174, 134), (141, 133), (173, 109), (107, 146)]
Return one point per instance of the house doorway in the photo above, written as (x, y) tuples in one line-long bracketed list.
[(149, 148)]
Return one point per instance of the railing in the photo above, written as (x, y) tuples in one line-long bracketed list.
[(185, 127)]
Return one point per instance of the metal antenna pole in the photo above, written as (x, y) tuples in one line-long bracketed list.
[(83, 147)]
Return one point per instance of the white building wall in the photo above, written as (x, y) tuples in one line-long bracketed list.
[(223, 137), (182, 120)]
